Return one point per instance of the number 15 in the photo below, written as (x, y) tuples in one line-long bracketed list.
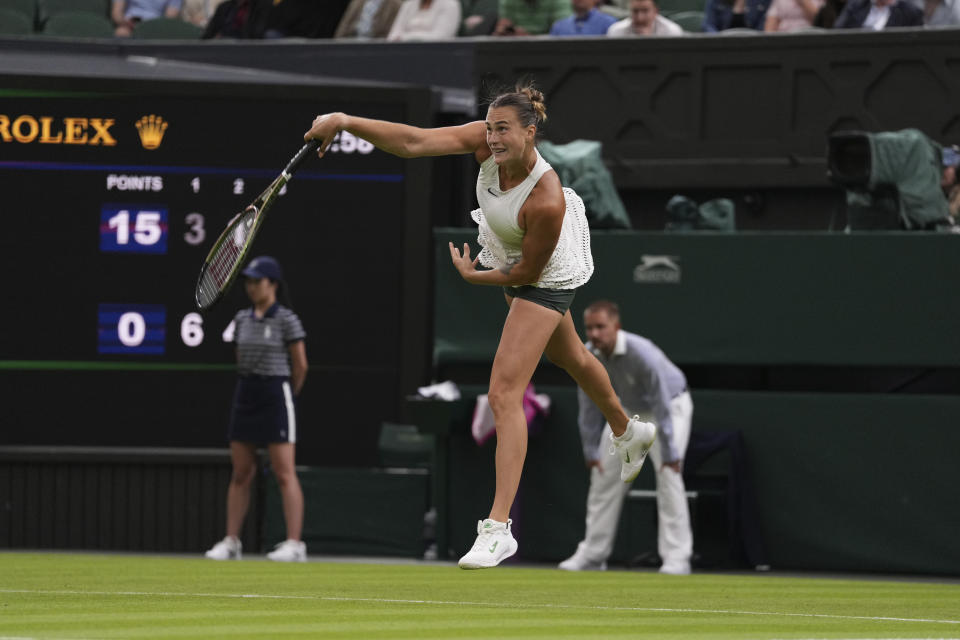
[(146, 230)]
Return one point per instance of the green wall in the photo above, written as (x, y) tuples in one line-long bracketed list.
[(748, 298), (844, 482)]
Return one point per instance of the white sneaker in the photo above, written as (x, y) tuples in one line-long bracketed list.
[(289, 551), (577, 562), (675, 568), (633, 447), (494, 544), (227, 549)]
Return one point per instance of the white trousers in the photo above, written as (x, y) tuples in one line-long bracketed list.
[(607, 492)]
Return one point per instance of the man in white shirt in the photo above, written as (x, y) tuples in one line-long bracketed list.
[(644, 20), (649, 384), (879, 14)]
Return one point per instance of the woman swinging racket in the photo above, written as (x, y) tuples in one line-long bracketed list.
[(536, 245)]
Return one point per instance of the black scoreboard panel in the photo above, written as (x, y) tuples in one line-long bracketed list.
[(114, 194)]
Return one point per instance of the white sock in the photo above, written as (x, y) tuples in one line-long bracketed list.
[(627, 433)]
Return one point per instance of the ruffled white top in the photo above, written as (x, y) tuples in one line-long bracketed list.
[(501, 237)]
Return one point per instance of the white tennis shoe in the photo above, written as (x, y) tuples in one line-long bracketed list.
[(676, 568), (229, 548), (494, 544), (577, 562), (289, 551), (633, 447)]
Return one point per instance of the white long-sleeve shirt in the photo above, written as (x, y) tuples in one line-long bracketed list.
[(439, 21)]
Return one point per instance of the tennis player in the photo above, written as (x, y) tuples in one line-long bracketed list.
[(536, 246), (272, 366)]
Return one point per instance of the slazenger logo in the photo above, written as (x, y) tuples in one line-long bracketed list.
[(657, 270)]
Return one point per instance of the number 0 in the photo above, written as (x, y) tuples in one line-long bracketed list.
[(131, 329)]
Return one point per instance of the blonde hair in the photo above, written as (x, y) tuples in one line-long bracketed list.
[(527, 100)]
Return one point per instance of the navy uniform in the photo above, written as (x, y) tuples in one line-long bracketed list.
[(264, 410)]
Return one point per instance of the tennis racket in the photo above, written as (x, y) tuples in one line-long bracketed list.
[(230, 250)]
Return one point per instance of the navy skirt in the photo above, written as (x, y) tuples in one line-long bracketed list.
[(264, 411)]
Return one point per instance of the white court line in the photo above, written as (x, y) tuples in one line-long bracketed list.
[(33, 638), (458, 603)]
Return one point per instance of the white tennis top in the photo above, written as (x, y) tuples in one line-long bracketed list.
[(501, 237)]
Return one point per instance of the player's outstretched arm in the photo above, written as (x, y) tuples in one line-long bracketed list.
[(400, 139)]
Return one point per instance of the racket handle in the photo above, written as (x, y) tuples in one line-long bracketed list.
[(302, 155)]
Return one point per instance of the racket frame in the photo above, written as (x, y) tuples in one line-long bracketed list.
[(261, 205)]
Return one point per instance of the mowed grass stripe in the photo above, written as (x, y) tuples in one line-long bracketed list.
[(462, 603), (114, 596)]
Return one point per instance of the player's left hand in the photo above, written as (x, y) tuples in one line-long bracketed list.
[(463, 263)]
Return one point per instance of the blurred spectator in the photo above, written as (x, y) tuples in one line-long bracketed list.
[(619, 9), (827, 16), (127, 13), (791, 15), (304, 18), (720, 15), (950, 159), (529, 17), (368, 19), (953, 200), (941, 13), (199, 12), (479, 17), (426, 20), (644, 20), (879, 14), (587, 20), (243, 19)]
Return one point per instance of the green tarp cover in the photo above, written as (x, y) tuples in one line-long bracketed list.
[(911, 162), (580, 167)]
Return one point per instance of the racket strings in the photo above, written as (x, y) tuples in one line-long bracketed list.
[(221, 267)]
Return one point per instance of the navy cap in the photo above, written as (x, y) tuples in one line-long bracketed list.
[(263, 267)]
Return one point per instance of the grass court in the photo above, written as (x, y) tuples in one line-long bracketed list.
[(93, 596)]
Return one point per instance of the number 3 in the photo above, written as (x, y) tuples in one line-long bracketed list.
[(197, 233)]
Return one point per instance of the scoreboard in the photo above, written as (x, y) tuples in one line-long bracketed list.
[(114, 193)]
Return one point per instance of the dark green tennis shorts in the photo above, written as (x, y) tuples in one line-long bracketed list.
[(557, 299)]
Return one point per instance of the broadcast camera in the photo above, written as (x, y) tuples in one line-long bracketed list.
[(893, 179)]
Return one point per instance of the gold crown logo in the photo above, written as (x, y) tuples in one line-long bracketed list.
[(151, 130)]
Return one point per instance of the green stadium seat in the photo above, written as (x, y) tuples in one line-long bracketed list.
[(671, 7), (26, 7), (691, 21), (50, 7), (15, 23), (167, 29), (78, 24)]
